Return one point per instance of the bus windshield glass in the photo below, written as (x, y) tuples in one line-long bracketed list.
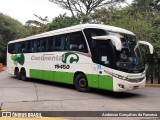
[(129, 59)]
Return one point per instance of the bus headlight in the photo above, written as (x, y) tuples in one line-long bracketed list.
[(121, 86)]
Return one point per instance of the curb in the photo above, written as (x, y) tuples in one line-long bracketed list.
[(152, 85)]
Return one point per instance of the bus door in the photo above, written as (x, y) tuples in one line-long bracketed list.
[(105, 63)]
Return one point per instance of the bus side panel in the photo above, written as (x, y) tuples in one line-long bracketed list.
[(106, 82), (101, 82), (92, 80), (10, 64), (38, 74), (89, 79), (63, 77), (70, 78), (49, 75)]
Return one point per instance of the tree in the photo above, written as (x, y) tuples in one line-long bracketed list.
[(151, 5), (144, 24), (104, 15), (10, 29), (62, 21), (142, 3), (37, 26), (83, 6), (156, 5)]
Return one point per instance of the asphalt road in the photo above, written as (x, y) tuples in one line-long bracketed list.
[(37, 95)]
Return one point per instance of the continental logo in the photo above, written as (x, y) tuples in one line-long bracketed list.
[(20, 59), (70, 57)]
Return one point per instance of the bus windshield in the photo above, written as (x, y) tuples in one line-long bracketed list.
[(129, 59)]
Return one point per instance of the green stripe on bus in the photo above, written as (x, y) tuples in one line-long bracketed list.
[(64, 77), (106, 82), (100, 81), (94, 81)]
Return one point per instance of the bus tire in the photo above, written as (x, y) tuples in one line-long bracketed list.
[(81, 83), (17, 74), (23, 75)]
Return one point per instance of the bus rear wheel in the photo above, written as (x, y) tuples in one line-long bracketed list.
[(17, 74), (81, 83), (23, 75)]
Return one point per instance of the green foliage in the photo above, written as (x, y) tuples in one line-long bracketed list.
[(10, 29), (85, 7), (37, 26), (142, 18), (102, 15), (142, 3), (143, 22), (151, 5), (143, 29), (62, 21)]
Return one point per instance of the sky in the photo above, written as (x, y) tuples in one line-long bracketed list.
[(24, 10)]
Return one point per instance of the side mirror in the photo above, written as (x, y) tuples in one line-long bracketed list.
[(145, 43), (115, 40)]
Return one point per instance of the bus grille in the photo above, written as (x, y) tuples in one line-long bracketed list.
[(135, 80)]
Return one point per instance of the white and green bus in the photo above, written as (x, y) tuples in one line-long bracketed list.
[(86, 55)]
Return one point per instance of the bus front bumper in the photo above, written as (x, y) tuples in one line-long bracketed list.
[(122, 85)]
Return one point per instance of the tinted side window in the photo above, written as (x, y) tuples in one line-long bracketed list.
[(40, 45), (16, 48), (29, 46), (38, 42), (19, 47), (23, 47), (105, 53), (59, 42), (44, 42), (90, 32), (11, 48), (63, 42), (76, 42), (34, 46), (51, 44)]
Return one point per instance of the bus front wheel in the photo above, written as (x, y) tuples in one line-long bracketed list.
[(81, 83)]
